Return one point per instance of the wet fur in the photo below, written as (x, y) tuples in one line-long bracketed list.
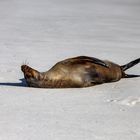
[(76, 72)]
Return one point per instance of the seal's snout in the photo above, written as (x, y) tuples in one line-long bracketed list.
[(23, 68), (29, 72)]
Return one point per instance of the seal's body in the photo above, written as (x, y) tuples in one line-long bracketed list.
[(77, 72)]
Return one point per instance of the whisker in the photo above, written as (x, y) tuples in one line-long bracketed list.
[(25, 62)]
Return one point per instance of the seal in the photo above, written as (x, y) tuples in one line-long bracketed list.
[(77, 72)]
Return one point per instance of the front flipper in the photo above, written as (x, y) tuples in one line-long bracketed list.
[(92, 60)]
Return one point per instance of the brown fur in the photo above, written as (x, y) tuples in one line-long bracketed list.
[(74, 72)]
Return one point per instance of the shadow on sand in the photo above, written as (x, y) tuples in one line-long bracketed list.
[(24, 84), (20, 84)]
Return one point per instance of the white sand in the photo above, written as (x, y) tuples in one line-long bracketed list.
[(42, 32)]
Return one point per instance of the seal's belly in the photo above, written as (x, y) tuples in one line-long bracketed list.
[(97, 74), (83, 76)]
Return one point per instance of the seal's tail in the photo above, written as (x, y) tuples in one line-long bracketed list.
[(129, 65)]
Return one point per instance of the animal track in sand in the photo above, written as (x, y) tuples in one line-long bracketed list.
[(129, 101)]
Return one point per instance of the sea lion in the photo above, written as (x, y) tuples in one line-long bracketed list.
[(77, 72)]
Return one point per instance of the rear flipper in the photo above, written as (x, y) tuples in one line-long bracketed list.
[(129, 65), (130, 76)]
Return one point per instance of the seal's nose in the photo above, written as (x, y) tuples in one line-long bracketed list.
[(23, 68)]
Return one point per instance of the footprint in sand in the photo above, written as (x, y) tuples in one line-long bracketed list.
[(129, 101)]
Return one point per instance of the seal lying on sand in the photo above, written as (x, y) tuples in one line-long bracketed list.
[(77, 72)]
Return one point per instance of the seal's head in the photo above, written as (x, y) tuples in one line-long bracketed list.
[(30, 74)]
